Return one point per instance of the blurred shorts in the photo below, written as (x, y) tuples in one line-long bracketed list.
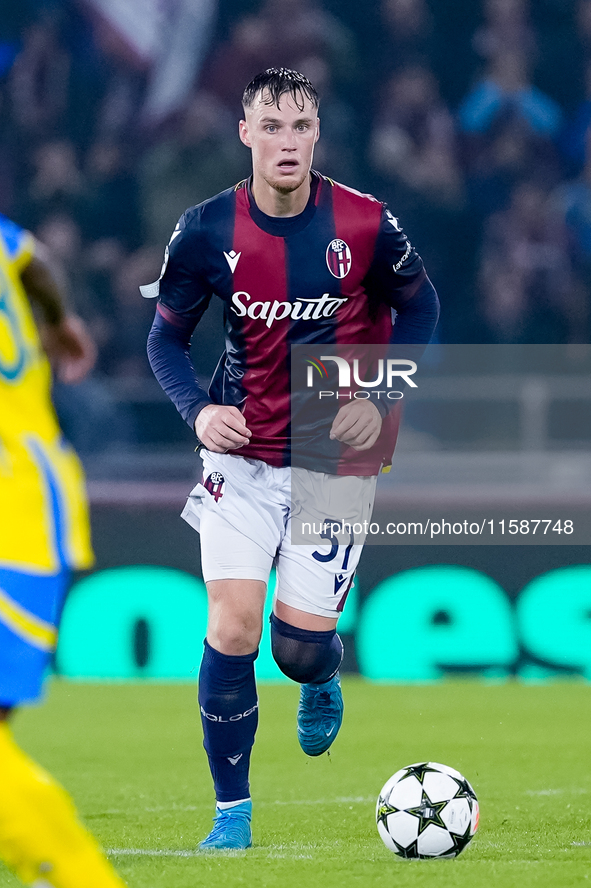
[(30, 605)]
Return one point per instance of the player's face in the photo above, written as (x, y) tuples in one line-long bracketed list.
[(282, 141)]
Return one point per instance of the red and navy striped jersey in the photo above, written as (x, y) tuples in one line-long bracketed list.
[(331, 274)]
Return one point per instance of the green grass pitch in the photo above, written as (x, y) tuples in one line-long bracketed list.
[(131, 756)]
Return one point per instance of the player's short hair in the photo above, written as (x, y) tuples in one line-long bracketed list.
[(277, 82)]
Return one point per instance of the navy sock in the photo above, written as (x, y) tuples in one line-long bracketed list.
[(304, 655), (229, 714)]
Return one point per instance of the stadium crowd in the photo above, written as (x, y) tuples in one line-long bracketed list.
[(472, 120)]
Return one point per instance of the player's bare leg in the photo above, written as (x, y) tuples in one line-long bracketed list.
[(235, 615), (229, 705), (307, 649)]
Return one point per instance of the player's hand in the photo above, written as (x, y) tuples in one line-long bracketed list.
[(70, 348), (221, 428), (357, 424)]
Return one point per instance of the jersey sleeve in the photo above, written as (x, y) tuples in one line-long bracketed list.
[(183, 286), (183, 296), (19, 244), (397, 277), (397, 269)]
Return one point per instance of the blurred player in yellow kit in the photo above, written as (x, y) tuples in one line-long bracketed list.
[(44, 533)]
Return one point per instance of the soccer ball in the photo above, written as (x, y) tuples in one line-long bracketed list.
[(425, 811)]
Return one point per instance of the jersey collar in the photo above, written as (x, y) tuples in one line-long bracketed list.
[(280, 226)]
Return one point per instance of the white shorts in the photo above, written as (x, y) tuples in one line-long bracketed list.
[(243, 511)]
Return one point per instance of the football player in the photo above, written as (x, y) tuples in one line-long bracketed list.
[(296, 258), (44, 533)]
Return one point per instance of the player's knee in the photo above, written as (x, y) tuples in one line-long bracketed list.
[(302, 673), (303, 655), (234, 634), (235, 616), (235, 640)]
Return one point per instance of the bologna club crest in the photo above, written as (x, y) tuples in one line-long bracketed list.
[(214, 484), (338, 258)]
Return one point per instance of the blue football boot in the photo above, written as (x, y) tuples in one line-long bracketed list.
[(320, 715), (231, 829)]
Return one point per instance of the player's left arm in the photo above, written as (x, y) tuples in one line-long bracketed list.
[(397, 276), (358, 423), (69, 346)]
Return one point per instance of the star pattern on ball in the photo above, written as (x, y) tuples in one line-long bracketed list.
[(383, 810), (420, 770), (460, 842), (411, 852), (466, 790), (428, 812)]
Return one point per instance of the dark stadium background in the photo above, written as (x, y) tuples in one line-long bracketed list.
[(472, 119)]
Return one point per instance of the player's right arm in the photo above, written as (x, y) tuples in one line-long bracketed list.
[(183, 296), (221, 428)]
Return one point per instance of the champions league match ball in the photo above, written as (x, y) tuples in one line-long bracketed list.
[(426, 811)]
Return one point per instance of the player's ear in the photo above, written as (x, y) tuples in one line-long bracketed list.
[(317, 130), (243, 133)]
